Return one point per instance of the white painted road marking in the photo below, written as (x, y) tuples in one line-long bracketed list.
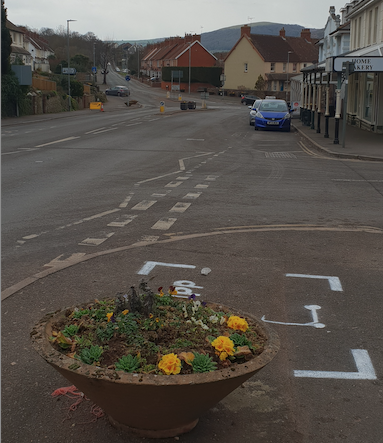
[(180, 207), (201, 186), (144, 205), (94, 130), (95, 241), (124, 204), (164, 223), (172, 184), (57, 141), (315, 323), (334, 282), (150, 265), (121, 224), (185, 288), (192, 195), (365, 369)]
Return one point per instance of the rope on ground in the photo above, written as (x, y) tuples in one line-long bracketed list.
[(73, 392)]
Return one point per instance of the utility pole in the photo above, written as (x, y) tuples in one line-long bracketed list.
[(69, 98)]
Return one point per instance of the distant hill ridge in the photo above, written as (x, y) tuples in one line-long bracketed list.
[(224, 39)]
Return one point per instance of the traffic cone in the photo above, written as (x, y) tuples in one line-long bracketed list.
[(102, 107)]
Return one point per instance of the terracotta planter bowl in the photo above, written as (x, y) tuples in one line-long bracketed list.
[(156, 406)]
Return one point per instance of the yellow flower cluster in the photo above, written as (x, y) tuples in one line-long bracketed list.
[(170, 364), (223, 347), (237, 323)]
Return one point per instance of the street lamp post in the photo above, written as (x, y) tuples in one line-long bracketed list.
[(67, 28), (288, 67)]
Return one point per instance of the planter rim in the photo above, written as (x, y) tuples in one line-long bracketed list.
[(40, 337)]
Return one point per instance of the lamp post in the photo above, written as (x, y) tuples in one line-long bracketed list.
[(67, 28), (288, 67)]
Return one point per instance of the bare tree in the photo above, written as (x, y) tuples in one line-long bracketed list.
[(106, 56)]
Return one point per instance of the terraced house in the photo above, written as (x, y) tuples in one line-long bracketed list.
[(276, 58)]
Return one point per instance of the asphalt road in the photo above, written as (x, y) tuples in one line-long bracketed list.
[(289, 235)]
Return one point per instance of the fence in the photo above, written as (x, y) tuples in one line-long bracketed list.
[(42, 84)]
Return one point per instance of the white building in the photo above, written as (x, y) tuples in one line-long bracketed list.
[(365, 103)]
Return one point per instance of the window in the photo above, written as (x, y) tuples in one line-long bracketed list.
[(274, 86), (272, 67), (294, 67), (375, 27), (284, 67), (246, 67)]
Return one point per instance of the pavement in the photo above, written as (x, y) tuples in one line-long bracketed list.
[(359, 144)]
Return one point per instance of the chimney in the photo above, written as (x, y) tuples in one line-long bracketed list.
[(245, 30), (282, 33), (306, 34)]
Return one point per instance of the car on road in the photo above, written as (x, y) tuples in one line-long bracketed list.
[(253, 110), (273, 114), (121, 91), (248, 99)]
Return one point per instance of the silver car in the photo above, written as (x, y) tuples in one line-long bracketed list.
[(120, 91), (253, 110)]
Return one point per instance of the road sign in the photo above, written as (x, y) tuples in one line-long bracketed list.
[(94, 70), (127, 78), (162, 103), (69, 71), (361, 64)]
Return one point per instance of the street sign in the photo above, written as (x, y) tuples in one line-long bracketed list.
[(70, 71), (94, 70), (127, 78), (162, 103), (361, 64)]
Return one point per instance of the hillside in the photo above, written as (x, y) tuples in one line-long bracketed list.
[(224, 39)]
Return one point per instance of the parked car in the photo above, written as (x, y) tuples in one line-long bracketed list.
[(155, 79), (248, 99), (273, 114), (121, 91), (253, 110)]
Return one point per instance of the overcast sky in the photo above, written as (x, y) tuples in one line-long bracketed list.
[(148, 19)]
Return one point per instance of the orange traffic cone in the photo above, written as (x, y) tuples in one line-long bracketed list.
[(102, 107)]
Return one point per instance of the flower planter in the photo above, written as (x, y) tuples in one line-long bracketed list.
[(154, 406)]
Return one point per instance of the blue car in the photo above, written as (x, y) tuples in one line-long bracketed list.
[(273, 114)]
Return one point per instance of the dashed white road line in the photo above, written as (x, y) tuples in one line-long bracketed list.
[(192, 195), (173, 184), (144, 205), (164, 223), (180, 207), (95, 241), (56, 141), (201, 186), (121, 224), (94, 130), (124, 204), (105, 130)]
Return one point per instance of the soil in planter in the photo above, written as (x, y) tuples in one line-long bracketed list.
[(174, 326)]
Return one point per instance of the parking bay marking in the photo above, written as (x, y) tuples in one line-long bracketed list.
[(365, 369), (334, 282)]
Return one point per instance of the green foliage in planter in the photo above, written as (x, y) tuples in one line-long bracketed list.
[(105, 333), (80, 313), (240, 340), (70, 330), (91, 355), (203, 363), (155, 328), (128, 363)]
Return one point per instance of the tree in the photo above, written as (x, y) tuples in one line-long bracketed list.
[(260, 84), (6, 41), (105, 59)]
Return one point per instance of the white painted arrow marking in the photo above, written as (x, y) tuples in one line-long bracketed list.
[(150, 265), (334, 282), (365, 370)]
